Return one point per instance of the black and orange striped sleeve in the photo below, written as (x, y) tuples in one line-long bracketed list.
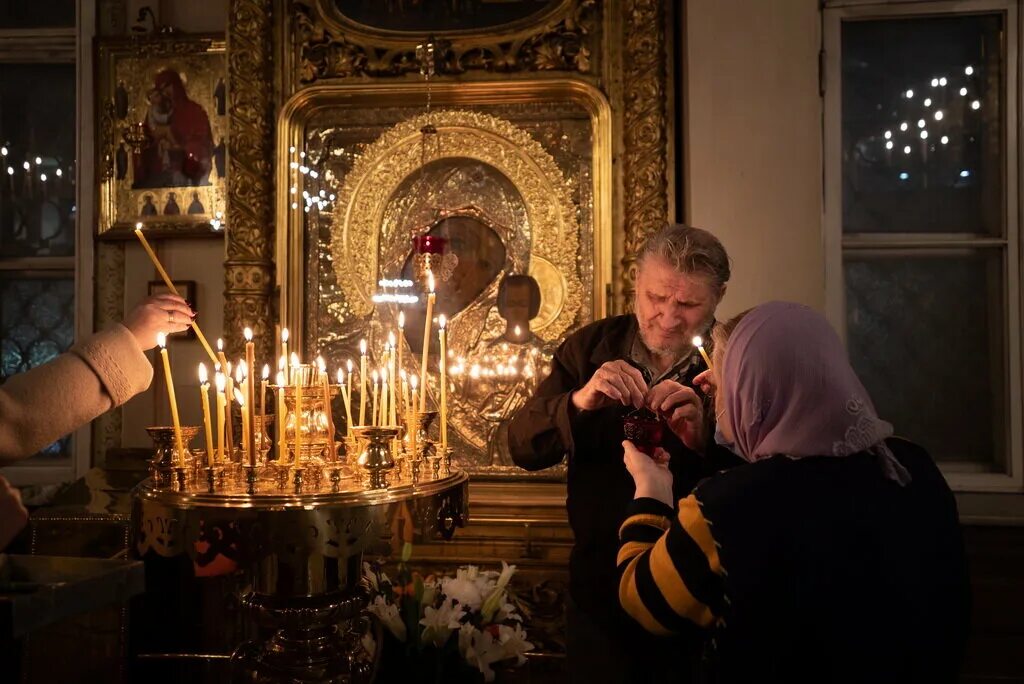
[(669, 568)]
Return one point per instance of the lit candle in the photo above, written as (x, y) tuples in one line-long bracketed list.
[(443, 380), (412, 427), (348, 365), (427, 324), (325, 387), (393, 375), (170, 286), (401, 336), (385, 414), (297, 378), (250, 394), (240, 398), (346, 397), (284, 351), (263, 401), (241, 378), (699, 344), (229, 390), (362, 382), (204, 394), (161, 339), (405, 390), (282, 454), (373, 414), (221, 404)]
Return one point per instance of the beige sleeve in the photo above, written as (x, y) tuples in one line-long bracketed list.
[(48, 402)]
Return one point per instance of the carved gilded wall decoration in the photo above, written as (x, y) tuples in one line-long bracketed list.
[(644, 130), (249, 269), (109, 309), (561, 36)]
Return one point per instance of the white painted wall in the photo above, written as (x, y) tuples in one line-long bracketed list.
[(752, 144)]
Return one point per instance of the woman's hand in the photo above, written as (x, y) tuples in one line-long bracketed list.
[(165, 313), (13, 515), (650, 473), (706, 382), (683, 410)]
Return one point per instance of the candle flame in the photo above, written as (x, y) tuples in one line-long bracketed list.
[(220, 381), (414, 381), (281, 362), (161, 339), (430, 280), (321, 364), (441, 320), (203, 378), (284, 334), (239, 397), (248, 334), (374, 375), (391, 339), (138, 226), (348, 365), (239, 374), (517, 331), (401, 374), (401, 320), (216, 367), (266, 371), (243, 367), (295, 360), (697, 341), (362, 347), (220, 344), (280, 379), (229, 368), (341, 377)]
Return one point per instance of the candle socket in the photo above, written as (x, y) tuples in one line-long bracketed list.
[(447, 462), (435, 466), (211, 480), (165, 456), (297, 478), (181, 479), (422, 420), (250, 479), (335, 477), (375, 458)]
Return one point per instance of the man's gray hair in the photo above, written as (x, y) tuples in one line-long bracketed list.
[(689, 250)]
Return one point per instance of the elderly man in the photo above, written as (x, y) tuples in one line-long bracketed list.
[(598, 375)]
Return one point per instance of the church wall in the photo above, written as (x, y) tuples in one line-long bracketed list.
[(200, 260), (752, 144)]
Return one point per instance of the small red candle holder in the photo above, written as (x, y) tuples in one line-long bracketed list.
[(644, 429), (430, 244)]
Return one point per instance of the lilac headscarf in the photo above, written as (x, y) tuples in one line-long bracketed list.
[(789, 389)]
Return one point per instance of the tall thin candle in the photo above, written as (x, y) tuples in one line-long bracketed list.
[(241, 377), (240, 398), (250, 395), (427, 323), (362, 382), (204, 396), (282, 453), (161, 339), (346, 397), (442, 333), (373, 414), (221, 404), (263, 402), (299, 418), (325, 387), (284, 351)]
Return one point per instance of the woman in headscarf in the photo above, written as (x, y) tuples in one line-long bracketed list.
[(832, 555)]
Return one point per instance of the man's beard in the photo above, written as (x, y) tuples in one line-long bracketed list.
[(676, 351)]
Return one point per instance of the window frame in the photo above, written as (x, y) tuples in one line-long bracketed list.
[(72, 45), (837, 244)]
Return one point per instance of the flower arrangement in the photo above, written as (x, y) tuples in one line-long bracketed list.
[(473, 614)]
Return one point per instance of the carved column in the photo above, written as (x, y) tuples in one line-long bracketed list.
[(645, 153), (249, 268)]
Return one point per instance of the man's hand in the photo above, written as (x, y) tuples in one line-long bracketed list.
[(13, 515), (650, 473), (683, 410), (166, 313), (614, 382)]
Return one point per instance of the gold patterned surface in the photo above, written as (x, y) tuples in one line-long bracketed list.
[(127, 69), (249, 274), (644, 124), (551, 224), (328, 45)]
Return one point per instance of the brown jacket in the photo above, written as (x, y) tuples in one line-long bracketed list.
[(46, 403)]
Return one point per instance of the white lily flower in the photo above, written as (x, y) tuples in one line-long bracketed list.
[(387, 613), (440, 622)]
